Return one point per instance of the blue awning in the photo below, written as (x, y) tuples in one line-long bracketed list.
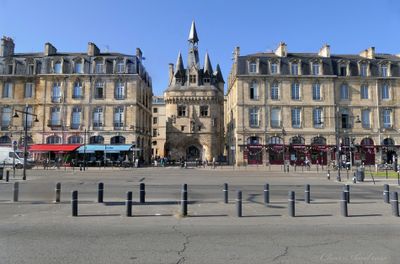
[(106, 148)]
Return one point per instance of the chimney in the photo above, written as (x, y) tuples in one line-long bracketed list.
[(281, 50), (49, 49), (368, 53), (7, 47), (139, 54), (171, 72), (325, 51), (92, 50), (236, 53)]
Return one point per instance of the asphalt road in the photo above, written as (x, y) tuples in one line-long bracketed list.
[(36, 230)]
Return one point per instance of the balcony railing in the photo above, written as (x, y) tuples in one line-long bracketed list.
[(118, 126), (56, 99), (75, 126)]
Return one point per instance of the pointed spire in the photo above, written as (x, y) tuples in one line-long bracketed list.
[(179, 68), (193, 34), (207, 65), (218, 74)]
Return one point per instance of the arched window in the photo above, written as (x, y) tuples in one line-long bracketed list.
[(275, 141), (118, 140), (75, 140), (367, 142), (318, 141), (388, 142), (96, 140), (297, 140), (253, 140), (5, 140), (53, 140), (254, 90)]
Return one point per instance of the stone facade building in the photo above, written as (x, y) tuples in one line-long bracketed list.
[(194, 107), (158, 125), (317, 106), (102, 97)]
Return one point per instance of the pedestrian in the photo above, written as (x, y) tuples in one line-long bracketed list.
[(213, 162)]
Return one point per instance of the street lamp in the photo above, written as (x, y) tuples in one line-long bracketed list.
[(284, 149), (26, 113)]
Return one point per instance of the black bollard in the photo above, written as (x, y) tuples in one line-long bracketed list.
[(7, 176), (16, 192), (239, 204), (394, 200), (100, 192), (74, 203), (226, 193), (343, 204), (184, 200), (386, 193), (346, 190), (266, 193), (291, 204), (58, 192), (142, 193), (307, 193), (328, 175), (129, 204)]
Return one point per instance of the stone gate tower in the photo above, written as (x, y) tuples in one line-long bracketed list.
[(194, 107)]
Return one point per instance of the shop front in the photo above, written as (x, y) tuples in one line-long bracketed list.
[(276, 151), (59, 154), (107, 155), (297, 151), (367, 151), (389, 153), (319, 151), (254, 151)]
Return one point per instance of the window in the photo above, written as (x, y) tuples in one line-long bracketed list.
[(155, 132), (342, 70), (252, 67), (120, 67), (182, 128), (295, 91), (56, 93), (275, 91), (274, 68), (385, 92), (99, 67), (365, 118), (155, 110), (77, 90), (181, 110), (30, 69), (295, 68), (75, 140), (317, 117), (96, 140), (55, 116), (254, 90), (78, 67), (76, 117), (363, 69), (57, 67), (98, 117), (118, 117), (344, 92), (99, 90), (345, 118), (10, 69), (119, 91), (254, 118), (205, 80), (8, 90), (53, 140), (275, 117), (296, 118), (315, 68), (204, 110), (364, 91), (28, 90), (155, 120), (316, 91), (5, 117), (384, 70), (192, 78), (386, 116)]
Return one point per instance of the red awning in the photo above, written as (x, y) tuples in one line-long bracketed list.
[(53, 147)]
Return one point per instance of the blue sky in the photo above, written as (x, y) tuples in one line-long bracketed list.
[(160, 28)]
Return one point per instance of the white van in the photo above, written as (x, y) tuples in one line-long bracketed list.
[(7, 156)]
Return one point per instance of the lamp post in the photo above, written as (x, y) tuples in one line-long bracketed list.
[(84, 150), (284, 149), (26, 113)]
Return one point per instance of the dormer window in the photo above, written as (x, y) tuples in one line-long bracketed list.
[(206, 80), (274, 68), (363, 70), (99, 67), (10, 69), (120, 67), (252, 67), (192, 78), (30, 69), (384, 70), (78, 67), (294, 68), (57, 67), (315, 68), (343, 70)]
